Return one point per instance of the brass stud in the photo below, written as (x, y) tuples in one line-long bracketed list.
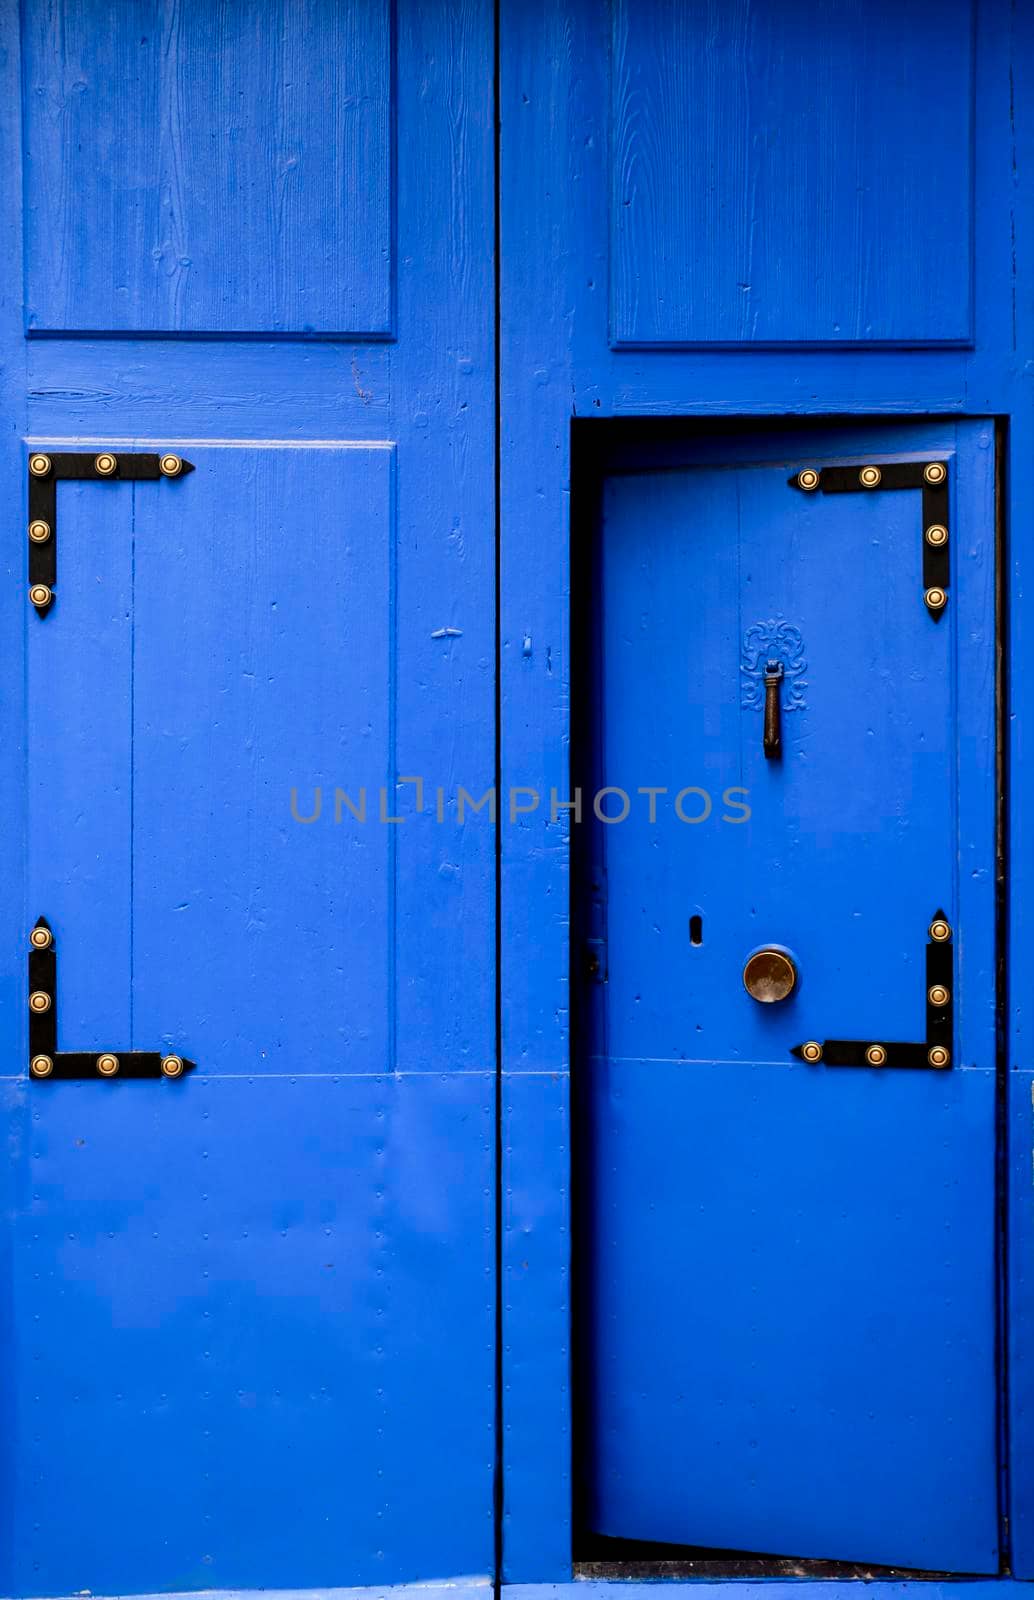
[(39, 1001), (172, 1066), (105, 465), (938, 995), (39, 466), (41, 594), (940, 931), (41, 938), (876, 1055), (107, 1066), (171, 466), (39, 531), (812, 1051), (936, 599), (935, 472), (41, 1066), (936, 534), (938, 1056), (808, 479), (869, 477)]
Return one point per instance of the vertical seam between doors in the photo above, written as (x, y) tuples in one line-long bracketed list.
[(498, 1490)]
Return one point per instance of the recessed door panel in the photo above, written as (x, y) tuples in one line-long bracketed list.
[(188, 171), (786, 1075), (166, 741)]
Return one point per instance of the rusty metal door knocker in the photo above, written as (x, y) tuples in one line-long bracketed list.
[(773, 741)]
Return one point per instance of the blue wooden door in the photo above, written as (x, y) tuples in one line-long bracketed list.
[(787, 1217), (248, 1312)]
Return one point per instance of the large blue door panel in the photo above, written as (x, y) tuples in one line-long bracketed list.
[(249, 1316), (788, 1332)]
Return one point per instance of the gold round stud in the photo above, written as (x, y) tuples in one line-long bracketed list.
[(808, 478), (41, 594), (107, 1066), (935, 472), (41, 938), (39, 531), (105, 464), (938, 995), (936, 534), (869, 477), (940, 931), (876, 1055), (171, 466), (812, 1051), (39, 1001), (39, 466), (172, 1066), (938, 1056), (936, 599), (41, 1066)]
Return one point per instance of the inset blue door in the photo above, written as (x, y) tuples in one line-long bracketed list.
[(785, 1069)]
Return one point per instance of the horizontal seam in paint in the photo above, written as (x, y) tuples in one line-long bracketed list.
[(81, 442), (536, 1072), (306, 1077)]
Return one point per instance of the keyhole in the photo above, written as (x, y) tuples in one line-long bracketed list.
[(696, 930)]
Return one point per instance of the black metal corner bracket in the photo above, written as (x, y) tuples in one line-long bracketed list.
[(135, 466), (929, 476), (47, 1061), (936, 1052)]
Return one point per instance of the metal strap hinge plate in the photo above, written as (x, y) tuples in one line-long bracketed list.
[(103, 466)]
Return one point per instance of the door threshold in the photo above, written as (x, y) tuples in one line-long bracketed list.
[(775, 1588), (626, 1560), (762, 1569)]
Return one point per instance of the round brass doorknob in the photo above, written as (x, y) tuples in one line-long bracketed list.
[(769, 975)]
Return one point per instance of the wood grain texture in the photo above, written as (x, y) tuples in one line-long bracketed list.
[(290, 1284), (195, 167), (284, 682), (162, 761), (787, 174), (14, 923)]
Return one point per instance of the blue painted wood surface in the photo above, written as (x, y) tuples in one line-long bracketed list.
[(256, 247), (1019, 1337), (250, 1326), (196, 169), (249, 1313), (780, 174)]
